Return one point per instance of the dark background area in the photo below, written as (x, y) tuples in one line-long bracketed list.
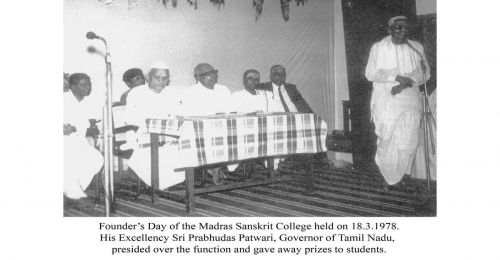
[(365, 22)]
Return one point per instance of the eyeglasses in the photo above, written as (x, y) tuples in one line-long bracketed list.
[(399, 27)]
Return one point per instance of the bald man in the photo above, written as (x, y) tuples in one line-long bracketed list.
[(282, 97), (285, 94), (206, 97)]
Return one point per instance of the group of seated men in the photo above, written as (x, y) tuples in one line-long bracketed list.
[(150, 97)]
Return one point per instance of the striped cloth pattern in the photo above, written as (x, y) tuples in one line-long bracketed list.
[(228, 138)]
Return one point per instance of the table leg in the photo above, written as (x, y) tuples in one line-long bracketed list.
[(190, 206), (270, 165), (155, 165), (309, 175)]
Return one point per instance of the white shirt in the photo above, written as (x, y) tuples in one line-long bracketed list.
[(276, 98), (244, 102), (142, 103), (199, 100), (77, 113)]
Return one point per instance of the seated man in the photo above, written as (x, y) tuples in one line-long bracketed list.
[(132, 78), (283, 93), (154, 100), (207, 97), (282, 97), (81, 160), (248, 100)]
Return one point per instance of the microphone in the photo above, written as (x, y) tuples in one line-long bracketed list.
[(92, 35)]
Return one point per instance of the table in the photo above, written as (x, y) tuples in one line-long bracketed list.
[(212, 140)]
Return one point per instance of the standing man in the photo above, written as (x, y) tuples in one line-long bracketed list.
[(286, 95), (248, 100), (395, 67)]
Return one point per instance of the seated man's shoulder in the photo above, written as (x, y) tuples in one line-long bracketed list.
[(291, 86), (137, 90), (239, 93), (417, 45), (222, 88)]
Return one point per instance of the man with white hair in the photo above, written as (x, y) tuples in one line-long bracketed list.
[(396, 67), (153, 100)]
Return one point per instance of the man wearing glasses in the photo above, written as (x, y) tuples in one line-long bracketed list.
[(397, 67), (285, 95), (206, 97)]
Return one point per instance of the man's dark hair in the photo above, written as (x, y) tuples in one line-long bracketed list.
[(76, 77), (131, 73)]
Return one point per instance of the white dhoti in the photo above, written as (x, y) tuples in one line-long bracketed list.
[(81, 163), (397, 123), (168, 157), (396, 145)]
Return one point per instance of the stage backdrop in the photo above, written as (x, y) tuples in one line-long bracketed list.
[(310, 45)]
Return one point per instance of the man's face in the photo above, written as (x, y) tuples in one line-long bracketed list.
[(158, 79), (82, 88), (278, 76), (399, 32), (251, 81), (136, 81), (208, 79)]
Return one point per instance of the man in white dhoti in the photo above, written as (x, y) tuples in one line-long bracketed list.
[(153, 100), (395, 68), (249, 99), (207, 97), (81, 160)]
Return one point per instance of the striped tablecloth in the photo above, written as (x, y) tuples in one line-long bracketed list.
[(228, 138)]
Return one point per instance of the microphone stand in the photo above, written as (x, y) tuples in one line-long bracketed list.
[(427, 120), (108, 135)]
